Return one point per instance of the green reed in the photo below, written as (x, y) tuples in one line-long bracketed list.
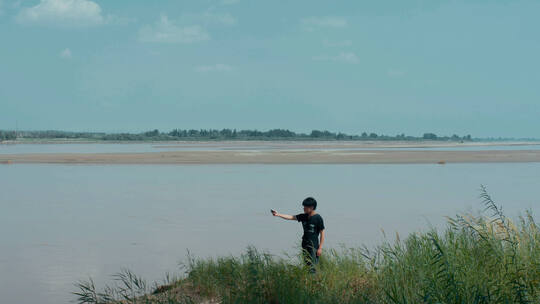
[(476, 259)]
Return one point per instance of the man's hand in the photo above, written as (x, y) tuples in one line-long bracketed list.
[(319, 251), (274, 213)]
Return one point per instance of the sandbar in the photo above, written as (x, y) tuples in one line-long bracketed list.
[(280, 156)]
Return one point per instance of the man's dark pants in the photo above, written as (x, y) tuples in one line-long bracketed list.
[(310, 256)]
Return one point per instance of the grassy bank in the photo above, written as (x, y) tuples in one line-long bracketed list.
[(485, 259)]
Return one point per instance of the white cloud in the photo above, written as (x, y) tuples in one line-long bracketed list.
[(116, 20), (65, 53), (16, 4), (63, 13), (208, 18), (221, 18), (229, 2), (214, 68), (348, 57), (165, 31), (342, 43), (344, 57), (312, 23), (395, 73)]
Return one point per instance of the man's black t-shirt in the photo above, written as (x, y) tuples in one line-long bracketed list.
[(312, 227)]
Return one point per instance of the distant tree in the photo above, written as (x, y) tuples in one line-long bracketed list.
[(175, 133), (227, 133), (8, 135), (279, 133), (203, 134), (153, 133), (316, 133), (430, 136)]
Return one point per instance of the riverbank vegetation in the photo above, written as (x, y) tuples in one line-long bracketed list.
[(214, 134), (475, 259)]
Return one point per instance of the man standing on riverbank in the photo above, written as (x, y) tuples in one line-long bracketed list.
[(313, 225)]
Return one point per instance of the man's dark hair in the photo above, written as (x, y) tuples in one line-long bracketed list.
[(310, 202)]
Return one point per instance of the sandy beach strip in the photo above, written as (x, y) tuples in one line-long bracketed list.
[(279, 157), (338, 144)]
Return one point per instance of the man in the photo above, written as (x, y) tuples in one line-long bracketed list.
[(313, 224)]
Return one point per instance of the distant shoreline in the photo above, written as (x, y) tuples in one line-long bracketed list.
[(359, 143), (281, 156)]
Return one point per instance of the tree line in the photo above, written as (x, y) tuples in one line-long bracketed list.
[(223, 134), (8, 135)]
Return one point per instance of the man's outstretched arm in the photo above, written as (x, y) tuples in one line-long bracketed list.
[(283, 216)]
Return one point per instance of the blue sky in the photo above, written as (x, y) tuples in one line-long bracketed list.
[(464, 67)]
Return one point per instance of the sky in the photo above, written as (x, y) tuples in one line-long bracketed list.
[(391, 67)]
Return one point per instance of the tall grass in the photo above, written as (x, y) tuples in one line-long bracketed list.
[(476, 259)]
